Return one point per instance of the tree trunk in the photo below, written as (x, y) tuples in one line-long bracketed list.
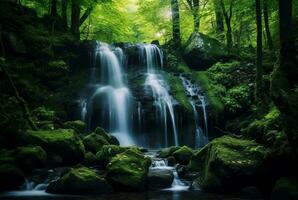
[(266, 23), (196, 15), (54, 8), (64, 12), (219, 17), (75, 19), (228, 18), (229, 34), (259, 90), (176, 23)]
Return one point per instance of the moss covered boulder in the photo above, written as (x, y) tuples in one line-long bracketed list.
[(25, 158), (107, 152), (78, 125), (228, 164), (11, 177), (80, 181), (94, 142), (110, 138), (167, 152), (90, 159), (286, 188), (183, 155), (127, 171), (62, 142), (160, 178)]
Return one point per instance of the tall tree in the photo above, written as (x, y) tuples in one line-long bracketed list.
[(218, 16), (194, 7), (64, 12), (228, 17), (259, 73), (176, 22), (266, 23), (75, 18), (54, 8)]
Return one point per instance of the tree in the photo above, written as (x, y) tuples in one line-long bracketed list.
[(259, 73), (64, 12), (75, 18), (194, 7), (176, 22), (218, 16), (54, 8), (266, 23), (228, 17)]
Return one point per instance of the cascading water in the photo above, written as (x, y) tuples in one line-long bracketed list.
[(109, 105), (152, 56), (197, 99)]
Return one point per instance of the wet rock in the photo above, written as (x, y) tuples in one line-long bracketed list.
[(80, 181), (127, 171), (167, 152), (62, 142), (183, 155), (171, 161), (160, 178), (94, 142), (107, 152), (108, 137), (228, 164), (90, 159), (78, 125)]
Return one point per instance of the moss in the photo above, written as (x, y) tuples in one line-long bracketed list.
[(110, 138), (107, 152), (58, 65), (63, 142), (286, 188), (128, 170), (77, 125), (178, 91), (94, 142), (183, 155), (90, 159), (80, 181), (167, 152), (228, 164), (43, 113)]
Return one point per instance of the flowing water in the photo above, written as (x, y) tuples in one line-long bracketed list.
[(164, 102), (109, 104), (197, 100)]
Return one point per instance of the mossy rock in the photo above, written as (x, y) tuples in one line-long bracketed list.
[(183, 155), (11, 177), (44, 114), (110, 138), (107, 152), (63, 142), (167, 152), (160, 178), (78, 125), (25, 158), (90, 159), (94, 142), (80, 181), (127, 171), (286, 188), (228, 164)]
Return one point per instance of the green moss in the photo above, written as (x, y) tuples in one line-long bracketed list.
[(110, 138), (80, 181), (43, 113), (286, 188), (214, 92), (107, 152), (183, 155), (228, 163), (58, 65), (167, 152), (94, 142), (128, 170), (63, 142), (178, 91), (77, 125)]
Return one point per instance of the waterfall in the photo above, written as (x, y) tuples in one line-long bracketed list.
[(197, 99), (109, 104), (153, 58)]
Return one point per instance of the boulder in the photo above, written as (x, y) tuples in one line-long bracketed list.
[(110, 138), (160, 178), (62, 142), (80, 181), (94, 142), (127, 171), (183, 155), (25, 158), (107, 152), (78, 125), (90, 159), (11, 177), (286, 188), (228, 164), (202, 52), (167, 152)]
